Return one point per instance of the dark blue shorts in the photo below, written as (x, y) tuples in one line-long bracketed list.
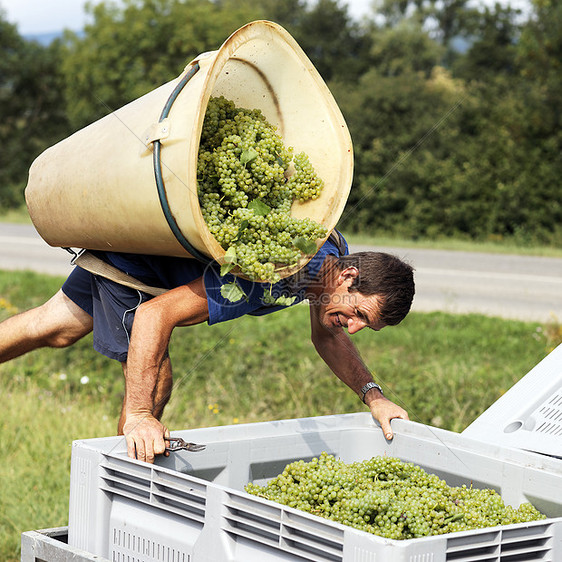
[(112, 307)]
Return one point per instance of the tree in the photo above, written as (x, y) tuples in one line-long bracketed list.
[(540, 59), (31, 116), (404, 128), (445, 19), (335, 44), (131, 49), (404, 48), (494, 35)]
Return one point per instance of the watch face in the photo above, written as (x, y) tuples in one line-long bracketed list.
[(368, 387)]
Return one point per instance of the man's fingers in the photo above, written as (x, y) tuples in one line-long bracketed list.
[(149, 454), (386, 430), (131, 449), (141, 453), (160, 444), (135, 449), (145, 450), (145, 439), (166, 436)]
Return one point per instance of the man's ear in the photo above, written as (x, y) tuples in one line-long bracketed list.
[(348, 275)]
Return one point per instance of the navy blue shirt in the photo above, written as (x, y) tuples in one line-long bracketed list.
[(169, 272), (113, 306)]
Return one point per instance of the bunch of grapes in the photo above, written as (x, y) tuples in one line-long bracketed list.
[(388, 497), (246, 190)]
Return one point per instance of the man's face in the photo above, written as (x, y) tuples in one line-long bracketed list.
[(340, 308)]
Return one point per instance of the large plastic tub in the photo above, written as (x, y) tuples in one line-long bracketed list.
[(128, 182), (192, 506)]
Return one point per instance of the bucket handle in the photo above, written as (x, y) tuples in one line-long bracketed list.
[(157, 147)]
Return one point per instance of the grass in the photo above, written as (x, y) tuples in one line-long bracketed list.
[(444, 369), (17, 215)]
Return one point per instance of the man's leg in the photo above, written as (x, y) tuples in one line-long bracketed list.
[(57, 323), (163, 392)]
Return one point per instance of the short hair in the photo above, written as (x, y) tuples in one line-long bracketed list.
[(386, 276)]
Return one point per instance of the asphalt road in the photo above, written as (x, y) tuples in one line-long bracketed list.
[(508, 286)]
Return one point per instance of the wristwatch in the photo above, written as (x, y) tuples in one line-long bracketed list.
[(368, 387)]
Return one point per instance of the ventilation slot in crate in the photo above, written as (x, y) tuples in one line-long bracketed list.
[(527, 544), (187, 502), (550, 414), (183, 496), (304, 536), (124, 481), (128, 547), (259, 527), (274, 527), (521, 544)]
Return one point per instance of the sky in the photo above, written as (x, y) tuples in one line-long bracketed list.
[(46, 16)]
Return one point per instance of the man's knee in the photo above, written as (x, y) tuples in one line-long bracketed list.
[(60, 322), (60, 339)]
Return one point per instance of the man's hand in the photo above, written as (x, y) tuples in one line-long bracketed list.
[(383, 410), (145, 437)]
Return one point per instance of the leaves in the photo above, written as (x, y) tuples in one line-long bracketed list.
[(269, 299), (241, 228), (248, 156), (232, 292), (229, 261), (227, 268), (307, 247), (285, 301), (259, 207), (230, 255)]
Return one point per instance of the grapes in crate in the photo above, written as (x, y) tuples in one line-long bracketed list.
[(388, 497)]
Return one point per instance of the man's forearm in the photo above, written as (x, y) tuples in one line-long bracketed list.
[(152, 329), (341, 355), (147, 352), (148, 373), (343, 358)]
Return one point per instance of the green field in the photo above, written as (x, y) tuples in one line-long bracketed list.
[(444, 369)]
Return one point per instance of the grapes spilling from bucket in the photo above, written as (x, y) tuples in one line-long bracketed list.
[(248, 181), (388, 497)]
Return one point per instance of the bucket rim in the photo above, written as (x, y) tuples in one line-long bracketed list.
[(213, 63)]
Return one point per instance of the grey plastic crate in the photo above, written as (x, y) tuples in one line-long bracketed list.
[(191, 507), (51, 545), (529, 415)]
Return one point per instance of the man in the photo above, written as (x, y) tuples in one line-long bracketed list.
[(344, 290)]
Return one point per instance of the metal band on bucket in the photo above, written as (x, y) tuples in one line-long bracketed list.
[(157, 147)]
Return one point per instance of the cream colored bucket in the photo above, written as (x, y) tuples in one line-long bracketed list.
[(128, 182)]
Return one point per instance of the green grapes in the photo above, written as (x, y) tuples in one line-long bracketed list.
[(246, 190), (388, 497)]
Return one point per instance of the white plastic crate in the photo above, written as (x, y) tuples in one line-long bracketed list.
[(191, 507), (529, 415)]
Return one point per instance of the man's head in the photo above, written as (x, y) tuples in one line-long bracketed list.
[(365, 289), (386, 276)]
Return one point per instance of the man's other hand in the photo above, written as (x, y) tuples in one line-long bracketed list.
[(383, 410)]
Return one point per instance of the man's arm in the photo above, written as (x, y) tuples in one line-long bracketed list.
[(340, 354), (152, 329)]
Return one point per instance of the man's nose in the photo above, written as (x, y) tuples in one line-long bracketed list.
[(354, 325)]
